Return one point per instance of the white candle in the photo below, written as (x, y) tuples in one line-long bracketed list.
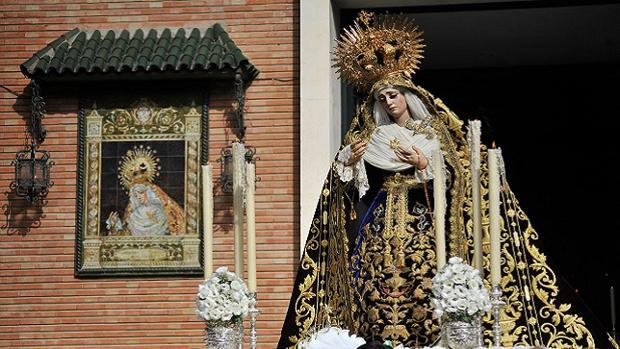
[(238, 184), (612, 303), (474, 144), (207, 218), (251, 226), (494, 215), (439, 199)]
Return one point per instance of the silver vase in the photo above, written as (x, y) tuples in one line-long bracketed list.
[(224, 335), (461, 334)]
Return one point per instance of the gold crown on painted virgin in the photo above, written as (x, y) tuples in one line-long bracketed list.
[(139, 165), (377, 47)]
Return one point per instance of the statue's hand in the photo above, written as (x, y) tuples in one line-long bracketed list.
[(413, 157), (358, 148)]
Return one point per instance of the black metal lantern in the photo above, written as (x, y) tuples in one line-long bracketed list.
[(32, 173), (32, 166), (226, 165)]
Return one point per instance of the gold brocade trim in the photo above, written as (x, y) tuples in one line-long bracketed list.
[(306, 306), (531, 316), (399, 180), (395, 263), (362, 125), (390, 81), (304, 309), (305, 312), (531, 286), (453, 147), (338, 280), (316, 306)]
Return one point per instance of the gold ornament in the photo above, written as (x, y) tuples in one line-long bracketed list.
[(377, 47), (139, 165), (395, 143)]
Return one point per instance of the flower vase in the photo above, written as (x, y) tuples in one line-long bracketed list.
[(459, 334), (224, 334)]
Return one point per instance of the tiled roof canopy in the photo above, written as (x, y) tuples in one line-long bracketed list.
[(97, 53)]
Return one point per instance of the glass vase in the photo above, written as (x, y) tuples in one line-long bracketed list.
[(224, 335), (459, 334)]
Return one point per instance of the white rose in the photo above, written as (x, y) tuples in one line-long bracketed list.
[(227, 315), (236, 285), (454, 260), (461, 304), (216, 314), (446, 293)]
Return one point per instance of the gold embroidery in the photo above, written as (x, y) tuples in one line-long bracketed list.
[(532, 316), (395, 263), (531, 283), (422, 127), (395, 143)]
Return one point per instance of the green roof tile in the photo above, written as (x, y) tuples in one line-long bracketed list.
[(87, 53)]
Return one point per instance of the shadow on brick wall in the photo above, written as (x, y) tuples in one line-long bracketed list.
[(20, 216)]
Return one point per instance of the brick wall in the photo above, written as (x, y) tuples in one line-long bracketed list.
[(42, 304)]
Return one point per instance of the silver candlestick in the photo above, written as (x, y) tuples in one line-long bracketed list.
[(497, 304), (253, 314)]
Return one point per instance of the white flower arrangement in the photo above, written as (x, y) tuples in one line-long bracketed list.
[(458, 292), (223, 297), (335, 337)]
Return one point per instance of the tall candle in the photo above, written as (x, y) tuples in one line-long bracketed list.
[(238, 184), (474, 144), (251, 225), (612, 304), (207, 218), (494, 215), (439, 198)]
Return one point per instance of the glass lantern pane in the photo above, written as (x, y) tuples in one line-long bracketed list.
[(40, 173), (24, 172)]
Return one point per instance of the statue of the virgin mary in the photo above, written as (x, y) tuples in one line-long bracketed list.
[(370, 254)]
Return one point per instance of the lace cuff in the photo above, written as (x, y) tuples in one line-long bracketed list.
[(356, 171), (426, 174), (361, 179), (344, 172)]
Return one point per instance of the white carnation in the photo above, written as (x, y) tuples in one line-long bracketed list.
[(457, 288), (222, 297)]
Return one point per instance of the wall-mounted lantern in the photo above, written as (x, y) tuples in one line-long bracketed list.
[(32, 166)]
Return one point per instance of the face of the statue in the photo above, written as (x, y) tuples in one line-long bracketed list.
[(142, 196), (394, 103)]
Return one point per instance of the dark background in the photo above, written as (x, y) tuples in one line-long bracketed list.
[(114, 197), (543, 77)]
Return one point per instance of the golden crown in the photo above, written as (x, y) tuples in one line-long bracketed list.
[(376, 47), (139, 165)]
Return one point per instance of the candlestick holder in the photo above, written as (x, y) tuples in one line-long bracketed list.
[(497, 305), (253, 315), (613, 342)]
